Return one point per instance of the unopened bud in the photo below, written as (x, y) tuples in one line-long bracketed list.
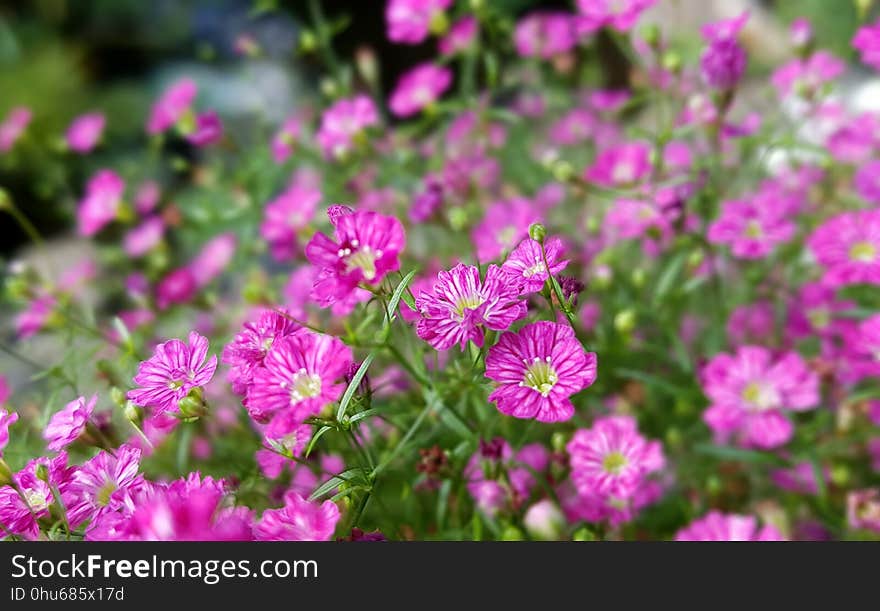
[(42, 472), (132, 412), (512, 533), (558, 441), (625, 320), (563, 171), (117, 396), (307, 41), (583, 534), (537, 232), (671, 61), (651, 34)]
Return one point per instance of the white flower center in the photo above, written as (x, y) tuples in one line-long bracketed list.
[(540, 375)]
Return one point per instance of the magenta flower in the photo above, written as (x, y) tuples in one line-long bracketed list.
[(20, 509), (208, 129), (35, 317), (620, 165), (750, 393), (419, 88), (863, 509), (631, 219), (723, 62), (178, 286), (7, 419), (805, 77), (101, 202), (146, 198), (107, 482), (717, 526), (620, 15), (751, 228), (505, 225), (544, 34), (298, 520), (575, 127), (460, 305), (285, 138), (612, 459), (171, 106), (460, 37), (247, 351), (867, 43), (410, 21), (85, 132), (143, 238), (537, 369), (343, 123), (365, 247), (861, 350), (848, 247), (801, 32), (13, 127), (814, 312), (486, 468), (529, 265), (752, 323), (867, 182), (298, 378), (174, 369), (213, 258), (67, 425), (286, 216)]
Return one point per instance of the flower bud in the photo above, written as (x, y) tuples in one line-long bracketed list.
[(651, 34), (307, 41), (5, 473), (583, 534), (671, 61), (639, 276), (439, 23), (562, 170), (537, 232), (367, 65), (132, 412), (625, 320), (117, 396), (511, 533), (544, 521), (42, 472), (5, 200)]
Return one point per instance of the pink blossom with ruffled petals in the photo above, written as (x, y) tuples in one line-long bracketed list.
[(867, 43), (287, 215), (171, 105), (460, 305), (35, 317), (7, 419), (752, 323), (365, 247), (107, 482), (717, 526), (867, 182), (621, 165), (409, 21), (13, 127), (419, 87), (174, 369), (505, 225), (178, 286), (750, 392), (751, 228), (213, 259), (298, 520), (460, 37), (343, 123), (208, 129), (620, 15), (35, 496), (101, 202), (612, 459), (537, 369), (85, 131), (863, 509), (68, 424), (805, 77), (143, 238), (298, 378), (848, 247), (528, 263), (723, 62), (544, 34)]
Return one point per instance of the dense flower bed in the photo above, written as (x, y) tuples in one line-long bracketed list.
[(501, 301)]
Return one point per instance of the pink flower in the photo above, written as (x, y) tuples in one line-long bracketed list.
[(286, 216), (35, 317), (752, 323), (528, 264), (505, 225), (805, 77), (418, 88), (751, 228), (343, 123), (20, 509), (100, 203), (750, 391), (298, 378), (143, 238), (67, 425), (178, 286), (618, 14), (544, 34), (863, 509), (861, 350), (867, 181), (298, 520), (107, 482), (174, 369), (612, 459), (848, 247), (365, 247), (147, 196), (410, 21), (171, 106), (493, 460), (85, 132), (208, 129), (813, 312), (717, 526), (213, 259), (271, 462), (630, 219), (867, 42), (460, 305), (575, 127), (7, 419), (537, 369), (723, 62), (284, 139), (13, 127), (620, 165), (460, 37), (247, 351), (801, 32)]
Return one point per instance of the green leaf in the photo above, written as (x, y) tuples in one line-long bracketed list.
[(367, 413), (333, 482), (353, 385), (397, 295), (739, 454), (668, 277), (315, 439)]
